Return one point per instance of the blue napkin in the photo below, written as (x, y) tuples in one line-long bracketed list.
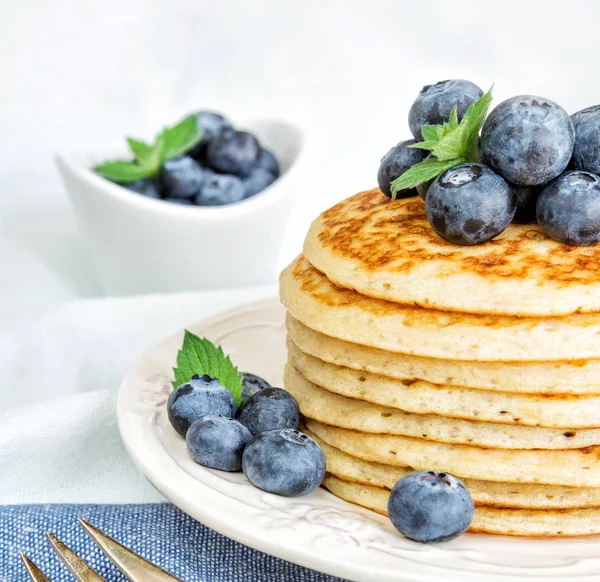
[(159, 532)]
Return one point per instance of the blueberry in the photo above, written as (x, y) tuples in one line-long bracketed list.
[(256, 181), (251, 384), (285, 462), (528, 140), (197, 398), (182, 201), (526, 198), (146, 187), (430, 507), (586, 151), (469, 204), (568, 208), (181, 177), (435, 102), (211, 125), (235, 152), (221, 189), (423, 188), (399, 159), (268, 409), (269, 162), (217, 442)]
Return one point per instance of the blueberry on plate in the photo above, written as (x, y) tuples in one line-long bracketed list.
[(430, 507), (197, 398), (586, 151), (268, 409), (251, 384), (267, 161), (435, 102), (469, 204), (182, 201), (217, 442), (284, 461), (234, 152), (220, 189), (526, 198), (568, 209), (146, 187), (211, 125), (256, 181), (399, 159), (181, 177), (528, 140)]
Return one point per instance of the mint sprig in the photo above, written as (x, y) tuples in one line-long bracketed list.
[(148, 158), (200, 356), (450, 144)]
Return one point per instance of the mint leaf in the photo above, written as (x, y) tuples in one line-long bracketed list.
[(121, 171), (147, 156), (474, 118), (459, 140), (424, 145), (171, 142), (141, 150), (453, 121), (430, 132), (424, 171), (200, 356), (449, 144), (180, 138)]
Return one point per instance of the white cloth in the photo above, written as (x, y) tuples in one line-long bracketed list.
[(60, 369)]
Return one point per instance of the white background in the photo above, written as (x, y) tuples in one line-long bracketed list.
[(83, 73)]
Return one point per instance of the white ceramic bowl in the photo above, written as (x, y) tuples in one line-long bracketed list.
[(141, 245)]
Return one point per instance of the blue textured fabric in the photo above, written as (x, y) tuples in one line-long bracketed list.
[(159, 532)]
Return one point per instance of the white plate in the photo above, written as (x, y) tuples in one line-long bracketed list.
[(318, 531)]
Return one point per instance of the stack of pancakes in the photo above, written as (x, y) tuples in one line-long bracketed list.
[(407, 353)]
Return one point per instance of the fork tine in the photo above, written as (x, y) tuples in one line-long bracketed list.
[(80, 570), (34, 572), (136, 568)]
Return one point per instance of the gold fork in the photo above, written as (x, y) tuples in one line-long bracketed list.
[(136, 568)]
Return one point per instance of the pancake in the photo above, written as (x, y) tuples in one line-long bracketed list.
[(573, 468), (387, 249), (563, 411), (511, 522), (312, 299), (489, 493), (566, 377), (335, 410)]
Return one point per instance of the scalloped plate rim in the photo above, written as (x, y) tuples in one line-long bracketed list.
[(359, 546)]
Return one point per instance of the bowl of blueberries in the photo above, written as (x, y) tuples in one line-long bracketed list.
[(204, 206)]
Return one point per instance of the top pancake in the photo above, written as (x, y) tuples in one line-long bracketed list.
[(387, 249)]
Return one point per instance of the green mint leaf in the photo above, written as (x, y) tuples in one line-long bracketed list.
[(473, 119), (430, 132), (424, 145), (461, 142), (121, 171), (451, 146), (453, 121), (180, 138), (424, 171), (140, 149), (476, 113), (200, 356), (147, 156)]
